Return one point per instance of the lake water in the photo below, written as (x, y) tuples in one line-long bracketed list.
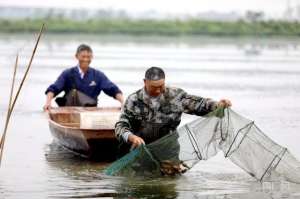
[(260, 76)]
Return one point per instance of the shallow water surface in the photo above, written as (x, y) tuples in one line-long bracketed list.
[(261, 77)]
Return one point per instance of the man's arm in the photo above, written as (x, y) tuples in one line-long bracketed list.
[(110, 88), (55, 88), (49, 98), (120, 98), (201, 106), (123, 128)]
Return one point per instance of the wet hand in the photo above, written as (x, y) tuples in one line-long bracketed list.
[(135, 141), (224, 103)]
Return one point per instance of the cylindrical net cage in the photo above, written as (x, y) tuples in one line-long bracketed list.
[(222, 130)]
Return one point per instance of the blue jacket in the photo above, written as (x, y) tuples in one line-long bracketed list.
[(93, 82)]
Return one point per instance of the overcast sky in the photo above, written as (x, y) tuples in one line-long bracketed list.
[(271, 7)]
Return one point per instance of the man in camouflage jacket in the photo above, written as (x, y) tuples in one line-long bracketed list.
[(155, 110)]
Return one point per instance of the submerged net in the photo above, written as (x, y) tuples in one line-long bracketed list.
[(222, 130)]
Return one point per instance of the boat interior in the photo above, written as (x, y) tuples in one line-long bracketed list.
[(85, 117)]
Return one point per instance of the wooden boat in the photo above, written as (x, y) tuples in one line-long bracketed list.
[(87, 131)]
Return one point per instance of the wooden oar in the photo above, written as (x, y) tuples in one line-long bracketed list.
[(11, 106)]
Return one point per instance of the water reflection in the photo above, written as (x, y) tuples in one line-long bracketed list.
[(82, 178), (75, 166), (149, 188), (75, 177)]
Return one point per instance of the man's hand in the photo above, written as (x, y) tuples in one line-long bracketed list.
[(135, 140), (224, 103), (49, 97), (47, 106)]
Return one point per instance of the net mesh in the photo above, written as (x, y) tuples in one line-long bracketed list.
[(222, 130)]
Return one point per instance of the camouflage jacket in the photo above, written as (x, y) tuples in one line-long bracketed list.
[(139, 111)]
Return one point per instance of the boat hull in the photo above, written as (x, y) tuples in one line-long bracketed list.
[(96, 144)]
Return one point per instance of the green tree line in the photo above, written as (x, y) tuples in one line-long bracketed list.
[(155, 27)]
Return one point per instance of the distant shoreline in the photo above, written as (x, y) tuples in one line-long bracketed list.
[(192, 27)]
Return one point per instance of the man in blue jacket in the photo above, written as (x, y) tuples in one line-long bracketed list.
[(83, 78)]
